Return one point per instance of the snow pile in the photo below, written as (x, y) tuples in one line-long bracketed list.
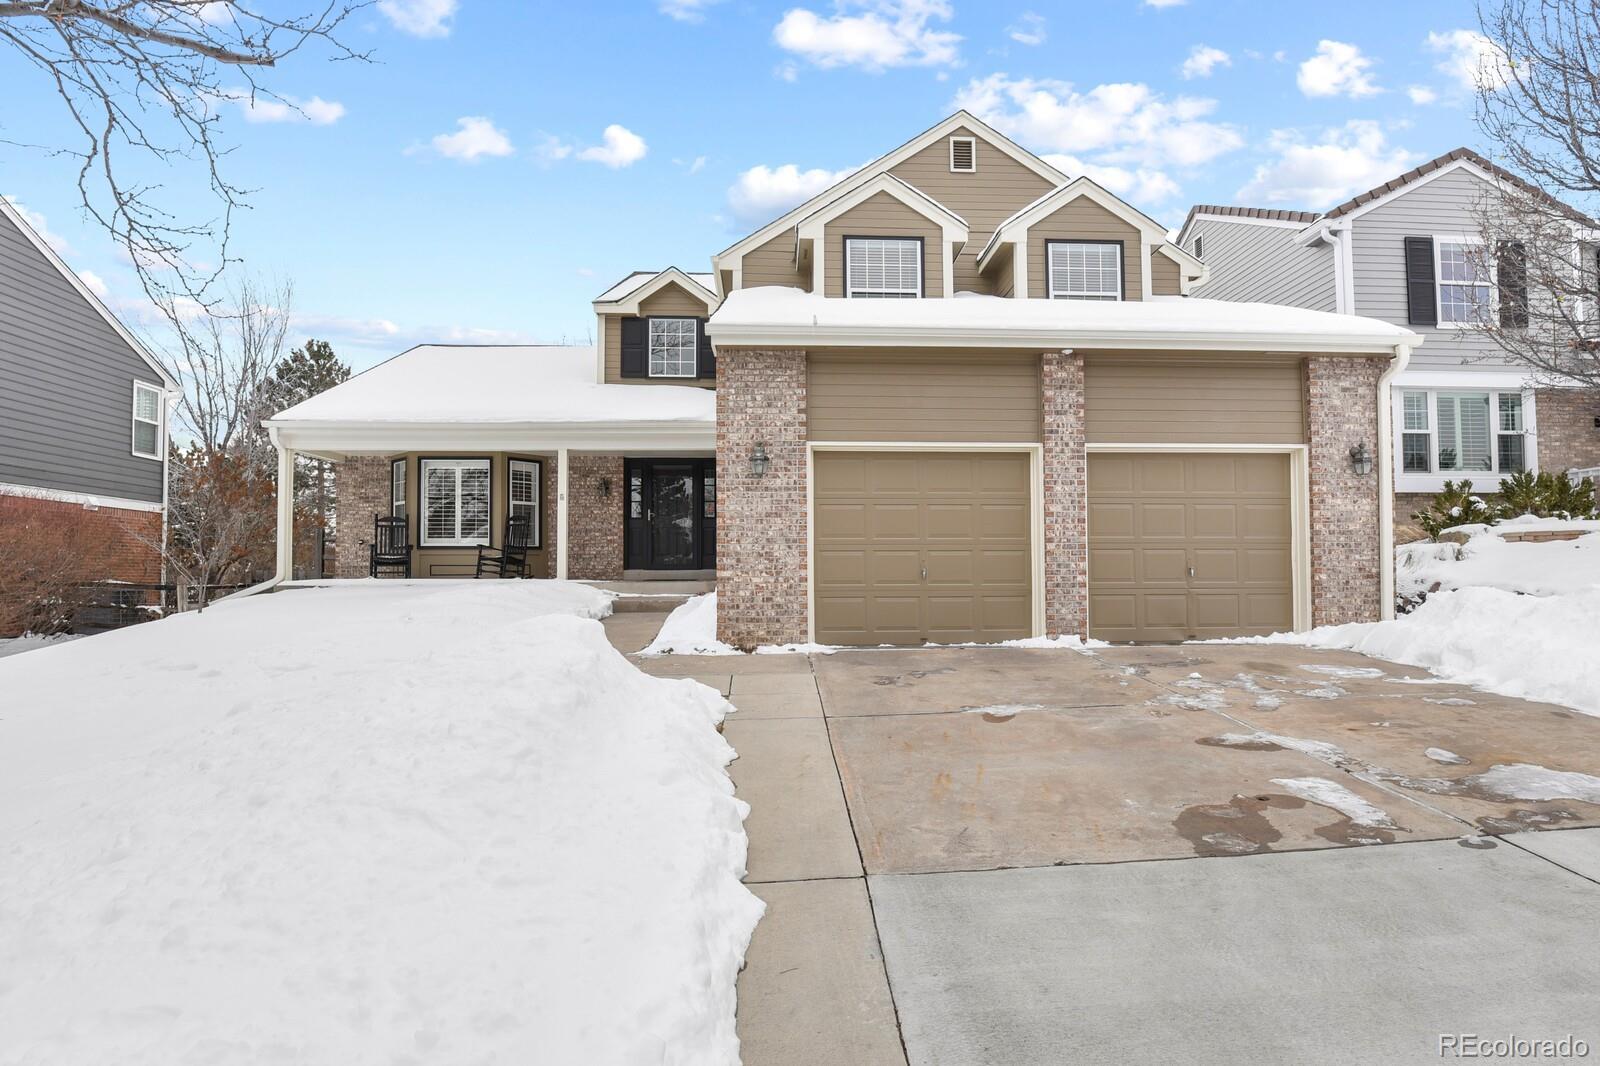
[(33, 642), (691, 629), (1546, 568), (363, 824)]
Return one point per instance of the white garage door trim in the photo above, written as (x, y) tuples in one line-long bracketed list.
[(1035, 454), (1299, 506)]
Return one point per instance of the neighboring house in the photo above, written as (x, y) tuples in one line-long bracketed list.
[(1462, 408), (83, 436), (957, 396)]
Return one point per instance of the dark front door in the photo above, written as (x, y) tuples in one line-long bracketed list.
[(671, 514)]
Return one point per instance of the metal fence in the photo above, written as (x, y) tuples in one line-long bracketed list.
[(114, 604)]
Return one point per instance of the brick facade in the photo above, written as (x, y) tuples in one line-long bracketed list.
[(761, 522), (1341, 412), (361, 489), (45, 543), (595, 553), (1568, 436), (1066, 493)]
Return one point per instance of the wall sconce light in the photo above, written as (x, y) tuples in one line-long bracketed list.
[(603, 486), (1361, 459), (759, 461)]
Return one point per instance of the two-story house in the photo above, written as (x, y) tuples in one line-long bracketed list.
[(957, 396), (1403, 253), (83, 434)]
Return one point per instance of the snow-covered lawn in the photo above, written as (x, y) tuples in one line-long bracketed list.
[(1520, 619), (438, 822), (32, 642)]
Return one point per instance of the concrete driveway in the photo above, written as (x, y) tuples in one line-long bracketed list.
[(954, 846)]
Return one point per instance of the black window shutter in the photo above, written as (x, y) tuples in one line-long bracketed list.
[(706, 361), (1511, 271), (635, 345), (1421, 305)]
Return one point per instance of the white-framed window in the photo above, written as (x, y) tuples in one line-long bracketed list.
[(1456, 433), (963, 155), (397, 488), (878, 267), (522, 493), (455, 502), (1084, 270), (1465, 284), (674, 347), (148, 412)]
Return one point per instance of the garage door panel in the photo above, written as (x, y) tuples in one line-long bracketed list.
[(1228, 516), (882, 519)]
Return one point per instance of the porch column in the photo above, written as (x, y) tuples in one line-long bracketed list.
[(285, 513), (562, 526)]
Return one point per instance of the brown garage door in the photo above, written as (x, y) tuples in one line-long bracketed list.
[(919, 546), (1189, 546)]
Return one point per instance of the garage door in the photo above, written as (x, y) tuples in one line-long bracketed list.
[(921, 546), (1189, 546)]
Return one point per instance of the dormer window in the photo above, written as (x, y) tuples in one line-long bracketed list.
[(879, 267), (1085, 270), (963, 155)]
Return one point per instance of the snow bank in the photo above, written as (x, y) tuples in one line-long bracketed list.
[(33, 642), (367, 824), (691, 629), (1546, 568)]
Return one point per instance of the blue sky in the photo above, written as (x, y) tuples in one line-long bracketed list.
[(499, 164)]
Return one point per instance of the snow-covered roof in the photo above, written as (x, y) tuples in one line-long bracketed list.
[(780, 315), (639, 278), (526, 383)]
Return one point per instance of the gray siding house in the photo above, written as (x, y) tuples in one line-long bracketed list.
[(1462, 408), (83, 444)]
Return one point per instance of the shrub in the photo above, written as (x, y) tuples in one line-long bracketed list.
[(1546, 495), (1455, 506)]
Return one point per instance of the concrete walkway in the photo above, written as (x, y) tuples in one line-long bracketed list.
[(954, 844)]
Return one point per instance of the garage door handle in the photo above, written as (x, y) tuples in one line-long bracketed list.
[(924, 573), (1191, 571)]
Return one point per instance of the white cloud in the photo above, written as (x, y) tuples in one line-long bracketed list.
[(686, 10), (420, 18), (1338, 69), (1158, 4), (1029, 29), (475, 138), (621, 148), (256, 108), (39, 225), (762, 193), (94, 283), (697, 164), (1142, 185), (1421, 94), (1470, 58), (885, 33), (384, 337), (1203, 59), (1344, 160)]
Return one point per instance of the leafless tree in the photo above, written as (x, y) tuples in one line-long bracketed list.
[(1538, 105), (149, 78)]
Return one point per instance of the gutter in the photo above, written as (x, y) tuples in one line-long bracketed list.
[(1386, 574), (799, 335)]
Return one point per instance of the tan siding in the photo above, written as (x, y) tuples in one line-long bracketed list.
[(1164, 279), (1003, 272), (1083, 219), (881, 215), (997, 190), (671, 300), (1180, 399), (773, 264), (867, 395)]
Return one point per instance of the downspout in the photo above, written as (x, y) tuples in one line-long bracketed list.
[(284, 549), (1386, 577)]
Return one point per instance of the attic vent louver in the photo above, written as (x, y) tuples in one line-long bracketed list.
[(963, 155)]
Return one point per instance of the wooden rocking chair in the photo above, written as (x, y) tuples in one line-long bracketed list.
[(511, 558)]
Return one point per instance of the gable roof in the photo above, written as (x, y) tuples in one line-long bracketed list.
[(15, 218), (640, 278), (1062, 195), (888, 184), (887, 162)]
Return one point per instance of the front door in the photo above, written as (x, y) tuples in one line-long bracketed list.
[(671, 514)]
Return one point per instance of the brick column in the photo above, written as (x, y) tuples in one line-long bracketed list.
[(1066, 553), (360, 490), (1341, 412), (596, 525), (761, 522)]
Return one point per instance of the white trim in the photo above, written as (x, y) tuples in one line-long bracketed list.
[(1243, 220), (1434, 479), (1386, 460), (335, 440), (851, 288), (973, 142), (599, 349), (1299, 509), (1051, 247), (1019, 269), (1016, 227), (1196, 273), (458, 464), (83, 290), (649, 347), (1418, 182), (852, 336), (813, 227), (159, 455), (1466, 240), (86, 499), (284, 548), (562, 531), (887, 162), (629, 303), (1035, 453), (1420, 378)]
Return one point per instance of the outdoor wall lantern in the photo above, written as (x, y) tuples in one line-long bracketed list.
[(603, 486), (759, 461), (1361, 459)]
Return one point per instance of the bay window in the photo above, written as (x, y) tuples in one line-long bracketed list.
[(455, 501), (1461, 432)]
